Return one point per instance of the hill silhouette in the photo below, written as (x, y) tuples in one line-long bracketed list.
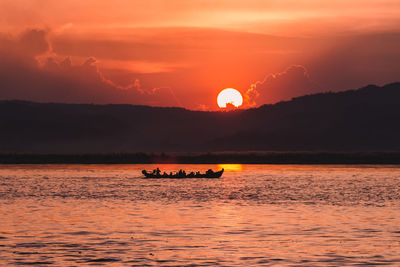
[(366, 119)]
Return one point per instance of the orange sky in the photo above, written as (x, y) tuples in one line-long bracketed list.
[(182, 53)]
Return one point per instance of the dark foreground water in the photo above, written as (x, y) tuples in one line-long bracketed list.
[(67, 215)]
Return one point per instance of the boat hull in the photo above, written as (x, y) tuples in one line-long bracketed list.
[(177, 176)]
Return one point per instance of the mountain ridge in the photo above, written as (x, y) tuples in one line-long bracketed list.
[(364, 119)]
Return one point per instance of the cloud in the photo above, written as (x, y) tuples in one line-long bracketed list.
[(292, 82), (30, 43), (250, 15), (125, 67), (29, 70), (34, 42)]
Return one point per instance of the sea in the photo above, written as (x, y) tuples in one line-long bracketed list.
[(254, 215)]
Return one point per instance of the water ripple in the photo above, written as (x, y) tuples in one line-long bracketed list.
[(64, 215)]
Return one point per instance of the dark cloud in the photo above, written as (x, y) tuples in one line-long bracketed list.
[(33, 42), (357, 61), (29, 44), (22, 76), (292, 82)]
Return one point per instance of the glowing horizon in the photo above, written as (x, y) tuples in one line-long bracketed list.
[(181, 53)]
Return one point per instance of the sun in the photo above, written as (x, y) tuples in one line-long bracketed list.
[(229, 96)]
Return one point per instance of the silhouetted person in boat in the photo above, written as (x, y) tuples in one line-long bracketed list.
[(158, 171), (209, 172), (181, 173)]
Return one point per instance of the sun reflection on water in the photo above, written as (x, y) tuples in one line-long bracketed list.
[(231, 167)]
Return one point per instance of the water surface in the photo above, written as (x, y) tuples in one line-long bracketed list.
[(65, 215)]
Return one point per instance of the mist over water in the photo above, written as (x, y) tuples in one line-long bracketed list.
[(254, 215)]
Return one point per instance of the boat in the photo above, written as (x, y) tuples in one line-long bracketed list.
[(182, 174)]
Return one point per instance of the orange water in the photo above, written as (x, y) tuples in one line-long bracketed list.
[(66, 215)]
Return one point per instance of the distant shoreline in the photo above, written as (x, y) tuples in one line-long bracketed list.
[(387, 158)]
